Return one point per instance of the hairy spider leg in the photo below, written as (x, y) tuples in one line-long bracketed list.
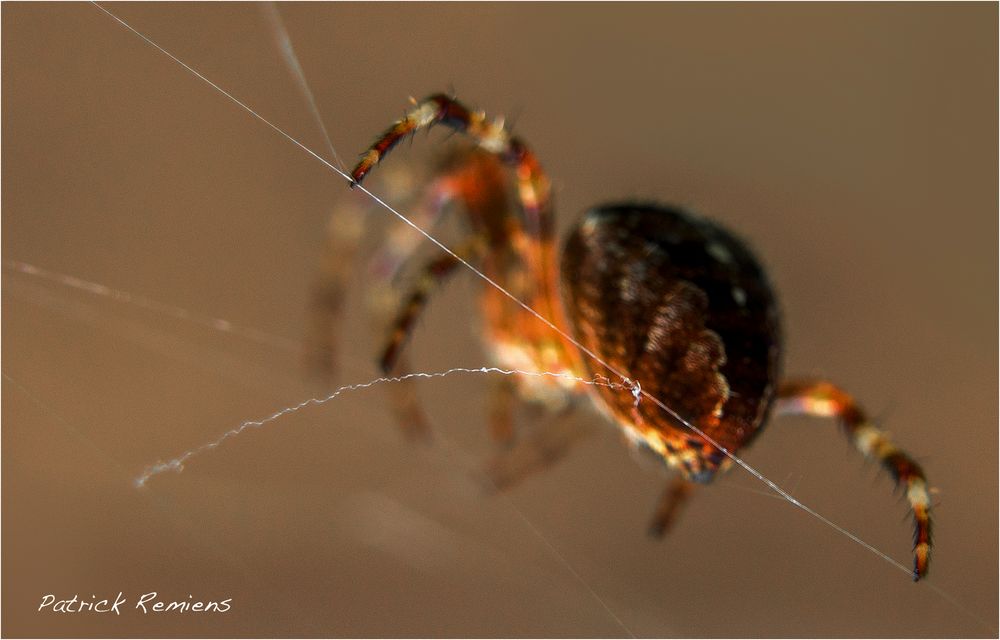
[(447, 186), (533, 187), (822, 398), (671, 503), (338, 259), (329, 290), (388, 260), (432, 276), (405, 404), (403, 397)]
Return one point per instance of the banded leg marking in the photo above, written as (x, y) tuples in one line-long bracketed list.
[(821, 398)]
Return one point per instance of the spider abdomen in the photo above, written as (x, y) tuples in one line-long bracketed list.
[(684, 308)]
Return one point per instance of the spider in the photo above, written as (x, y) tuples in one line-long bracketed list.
[(673, 301)]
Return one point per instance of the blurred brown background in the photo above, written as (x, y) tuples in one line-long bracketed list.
[(854, 145)]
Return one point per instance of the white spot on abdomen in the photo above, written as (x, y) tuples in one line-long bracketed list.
[(739, 296), (720, 252)]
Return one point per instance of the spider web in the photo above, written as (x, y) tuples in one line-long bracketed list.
[(230, 328)]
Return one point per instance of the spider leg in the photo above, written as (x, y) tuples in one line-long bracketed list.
[(343, 245), (670, 505), (533, 186), (401, 241), (548, 443), (402, 396), (433, 274), (405, 405), (821, 398), (329, 290)]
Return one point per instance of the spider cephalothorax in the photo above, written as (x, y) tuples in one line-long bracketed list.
[(672, 303)]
